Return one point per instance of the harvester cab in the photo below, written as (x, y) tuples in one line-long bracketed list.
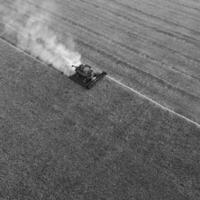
[(86, 76)]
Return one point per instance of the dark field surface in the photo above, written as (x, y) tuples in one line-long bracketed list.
[(59, 141), (152, 46)]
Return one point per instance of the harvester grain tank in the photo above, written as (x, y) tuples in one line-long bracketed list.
[(86, 76)]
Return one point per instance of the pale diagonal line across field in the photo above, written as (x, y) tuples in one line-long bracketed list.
[(114, 80), (153, 101)]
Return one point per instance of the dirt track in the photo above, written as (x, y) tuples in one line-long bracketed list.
[(59, 141)]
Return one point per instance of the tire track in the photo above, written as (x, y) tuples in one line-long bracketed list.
[(144, 38), (154, 43), (175, 8), (164, 31), (173, 24), (185, 5), (141, 19), (158, 5), (174, 51)]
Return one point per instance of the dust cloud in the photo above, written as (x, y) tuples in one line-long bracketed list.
[(31, 25)]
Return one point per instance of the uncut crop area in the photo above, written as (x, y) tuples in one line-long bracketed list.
[(135, 135), (151, 46)]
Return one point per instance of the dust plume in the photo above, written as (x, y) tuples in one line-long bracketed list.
[(31, 25)]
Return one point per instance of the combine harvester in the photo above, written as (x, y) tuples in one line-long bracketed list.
[(86, 76)]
